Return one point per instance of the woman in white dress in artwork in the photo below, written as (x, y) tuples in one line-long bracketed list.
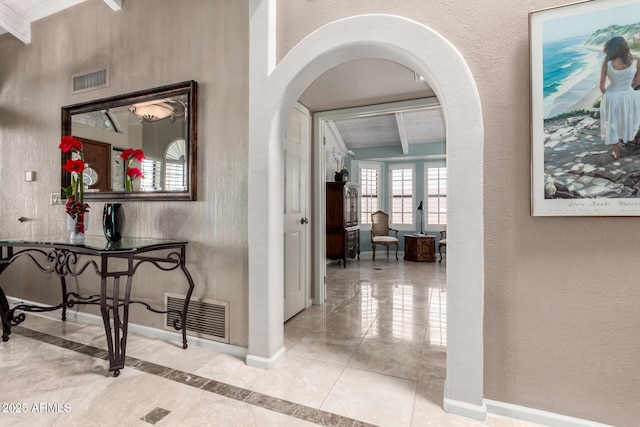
[(620, 106)]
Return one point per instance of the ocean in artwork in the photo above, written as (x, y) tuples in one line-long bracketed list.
[(571, 73)]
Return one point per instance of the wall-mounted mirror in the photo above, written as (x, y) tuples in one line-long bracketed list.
[(162, 122)]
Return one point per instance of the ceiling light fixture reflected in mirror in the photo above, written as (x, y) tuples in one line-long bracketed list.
[(154, 111)]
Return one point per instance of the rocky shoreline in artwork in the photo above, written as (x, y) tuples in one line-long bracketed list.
[(577, 163)]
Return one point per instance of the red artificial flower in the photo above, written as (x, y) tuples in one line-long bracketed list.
[(130, 154), (138, 155), (134, 173), (126, 154), (70, 143), (72, 166)]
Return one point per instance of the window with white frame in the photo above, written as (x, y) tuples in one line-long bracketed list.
[(402, 194), (436, 185), (175, 173), (369, 175), (174, 176), (151, 171)]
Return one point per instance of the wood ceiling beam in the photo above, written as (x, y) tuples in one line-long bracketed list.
[(15, 24), (402, 131), (115, 5)]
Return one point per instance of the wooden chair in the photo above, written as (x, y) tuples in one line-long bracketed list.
[(380, 233), (443, 243)]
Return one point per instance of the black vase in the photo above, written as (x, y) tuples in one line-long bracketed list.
[(113, 221)]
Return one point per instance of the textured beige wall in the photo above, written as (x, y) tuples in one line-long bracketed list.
[(561, 294), (202, 40)]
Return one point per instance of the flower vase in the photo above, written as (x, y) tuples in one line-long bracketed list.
[(338, 177), (77, 226), (113, 221)]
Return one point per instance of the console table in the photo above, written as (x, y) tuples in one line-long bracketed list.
[(419, 248), (62, 258)]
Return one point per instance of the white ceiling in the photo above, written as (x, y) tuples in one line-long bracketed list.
[(32, 10), (364, 82), (421, 126), (372, 82), (16, 16), (352, 84)]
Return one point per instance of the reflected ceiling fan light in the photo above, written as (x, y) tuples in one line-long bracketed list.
[(153, 112)]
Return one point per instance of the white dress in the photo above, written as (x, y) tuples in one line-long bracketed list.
[(620, 106)]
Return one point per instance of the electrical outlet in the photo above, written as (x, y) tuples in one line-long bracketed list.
[(55, 199)]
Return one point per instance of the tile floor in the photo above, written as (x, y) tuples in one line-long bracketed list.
[(373, 355)]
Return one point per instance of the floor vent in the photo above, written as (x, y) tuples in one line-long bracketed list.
[(205, 318), (90, 81)]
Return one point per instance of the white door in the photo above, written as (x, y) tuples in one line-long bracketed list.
[(296, 223)]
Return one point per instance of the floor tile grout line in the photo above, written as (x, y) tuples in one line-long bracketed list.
[(415, 397), (58, 342), (346, 366)]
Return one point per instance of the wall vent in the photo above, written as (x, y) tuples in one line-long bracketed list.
[(205, 318), (90, 81)]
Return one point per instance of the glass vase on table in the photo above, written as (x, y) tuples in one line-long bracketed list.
[(77, 226), (113, 221), (77, 220)]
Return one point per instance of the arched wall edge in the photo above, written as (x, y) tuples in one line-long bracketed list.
[(425, 51)]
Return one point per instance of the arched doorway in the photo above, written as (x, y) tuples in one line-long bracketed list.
[(273, 94)]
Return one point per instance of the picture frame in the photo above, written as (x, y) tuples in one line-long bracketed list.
[(574, 167)]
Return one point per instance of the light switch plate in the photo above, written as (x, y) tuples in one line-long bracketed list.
[(30, 176)]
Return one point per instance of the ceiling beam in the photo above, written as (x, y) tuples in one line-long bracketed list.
[(115, 5), (15, 24), (402, 131)]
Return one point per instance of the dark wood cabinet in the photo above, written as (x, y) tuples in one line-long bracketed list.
[(343, 224), (419, 248)]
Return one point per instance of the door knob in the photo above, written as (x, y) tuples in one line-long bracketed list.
[(22, 219), (304, 221)]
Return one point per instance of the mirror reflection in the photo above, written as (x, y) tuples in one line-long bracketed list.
[(160, 122)]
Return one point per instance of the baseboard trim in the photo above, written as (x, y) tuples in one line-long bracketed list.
[(265, 362), (537, 416), (463, 409), (143, 330)]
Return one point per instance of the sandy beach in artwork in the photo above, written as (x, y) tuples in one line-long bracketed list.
[(588, 101), (580, 90)]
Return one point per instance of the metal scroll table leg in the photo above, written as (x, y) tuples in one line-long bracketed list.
[(4, 310), (186, 302), (116, 336), (4, 304), (65, 298)]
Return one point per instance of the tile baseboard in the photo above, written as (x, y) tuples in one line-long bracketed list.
[(463, 409), (537, 416), (265, 362)]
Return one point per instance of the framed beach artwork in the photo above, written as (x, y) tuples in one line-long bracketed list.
[(585, 111)]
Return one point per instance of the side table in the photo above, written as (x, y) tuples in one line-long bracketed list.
[(419, 248)]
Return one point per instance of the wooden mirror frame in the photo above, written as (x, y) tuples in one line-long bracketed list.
[(188, 88)]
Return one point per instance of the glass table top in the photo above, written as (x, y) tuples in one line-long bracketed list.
[(98, 243)]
